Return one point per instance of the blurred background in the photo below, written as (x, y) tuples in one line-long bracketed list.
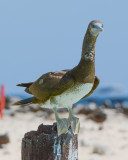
[(41, 36)]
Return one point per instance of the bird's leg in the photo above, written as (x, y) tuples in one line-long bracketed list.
[(62, 124), (75, 123)]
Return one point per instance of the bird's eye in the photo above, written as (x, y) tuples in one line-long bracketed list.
[(93, 26)]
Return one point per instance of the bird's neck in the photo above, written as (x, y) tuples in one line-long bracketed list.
[(87, 62), (88, 48), (86, 67)]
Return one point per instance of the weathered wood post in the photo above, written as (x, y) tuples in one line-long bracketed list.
[(44, 144)]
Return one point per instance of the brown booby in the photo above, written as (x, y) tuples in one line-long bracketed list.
[(66, 87)]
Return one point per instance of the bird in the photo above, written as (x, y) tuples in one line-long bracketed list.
[(63, 88)]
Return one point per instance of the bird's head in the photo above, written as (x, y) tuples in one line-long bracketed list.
[(95, 27)]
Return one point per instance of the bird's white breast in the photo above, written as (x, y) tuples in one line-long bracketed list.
[(70, 96)]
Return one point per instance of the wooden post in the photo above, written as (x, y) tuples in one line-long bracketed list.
[(44, 144)]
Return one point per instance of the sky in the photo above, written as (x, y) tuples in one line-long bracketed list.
[(37, 37)]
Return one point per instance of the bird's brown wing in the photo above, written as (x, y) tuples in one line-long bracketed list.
[(51, 84), (95, 85)]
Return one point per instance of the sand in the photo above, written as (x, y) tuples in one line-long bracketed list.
[(109, 143)]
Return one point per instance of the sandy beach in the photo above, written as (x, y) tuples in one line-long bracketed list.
[(107, 141)]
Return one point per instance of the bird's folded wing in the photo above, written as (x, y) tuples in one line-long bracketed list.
[(95, 85), (51, 84)]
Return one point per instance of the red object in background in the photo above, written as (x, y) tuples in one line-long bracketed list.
[(2, 101)]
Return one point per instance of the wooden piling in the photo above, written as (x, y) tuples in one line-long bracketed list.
[(44, 144)]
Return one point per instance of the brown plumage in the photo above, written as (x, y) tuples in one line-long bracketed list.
[(55, 83)]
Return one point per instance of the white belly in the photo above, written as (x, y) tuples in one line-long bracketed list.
[(70, 96)]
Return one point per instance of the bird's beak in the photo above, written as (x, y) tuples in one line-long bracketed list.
[(100, 28)]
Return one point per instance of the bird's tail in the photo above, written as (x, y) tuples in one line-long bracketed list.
[(31, 100), (25, 84)]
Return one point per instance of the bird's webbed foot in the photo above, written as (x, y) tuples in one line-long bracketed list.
[(62, 124), (75, 124), (74, 121)]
